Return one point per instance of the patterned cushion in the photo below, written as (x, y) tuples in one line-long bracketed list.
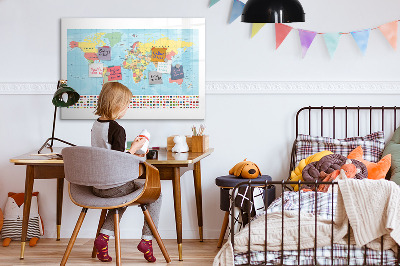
[(372, 144)]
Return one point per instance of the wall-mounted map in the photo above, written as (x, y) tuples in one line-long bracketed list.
[(160, 60)]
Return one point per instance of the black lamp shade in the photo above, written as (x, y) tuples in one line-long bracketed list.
[(273, 11), (73, 96)]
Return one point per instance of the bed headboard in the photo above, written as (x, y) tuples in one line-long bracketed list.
[(344, 121)]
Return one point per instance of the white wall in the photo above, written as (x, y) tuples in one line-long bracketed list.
[(259, 127)]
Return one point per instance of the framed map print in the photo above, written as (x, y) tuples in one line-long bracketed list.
[(161, 60)]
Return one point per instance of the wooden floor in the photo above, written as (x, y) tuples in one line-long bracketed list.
[(50, 252)]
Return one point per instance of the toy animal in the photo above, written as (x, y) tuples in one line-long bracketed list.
[(180, 144), (245, 169), (13, 215)]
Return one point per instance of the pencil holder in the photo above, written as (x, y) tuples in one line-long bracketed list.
[(200, 143)]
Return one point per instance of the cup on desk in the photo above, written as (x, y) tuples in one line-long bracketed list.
[(152, 155)]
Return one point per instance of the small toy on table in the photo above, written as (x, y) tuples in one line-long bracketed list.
[(245, 169), (180, 144)]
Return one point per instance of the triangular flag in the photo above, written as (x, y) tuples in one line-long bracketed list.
[(306, 39), (255, 28), (332, 41), (361, 37), (390, 32), (281, 31), (213, 2), (237, 9)]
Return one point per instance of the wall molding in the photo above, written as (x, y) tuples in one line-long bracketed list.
[(251, 87)]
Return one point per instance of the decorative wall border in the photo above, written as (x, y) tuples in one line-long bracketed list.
[(251, 87)]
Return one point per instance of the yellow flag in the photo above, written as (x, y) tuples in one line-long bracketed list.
[(255, 28)]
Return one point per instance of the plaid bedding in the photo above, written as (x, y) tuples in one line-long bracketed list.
[(372, 145), (322, 207), (324, 257)]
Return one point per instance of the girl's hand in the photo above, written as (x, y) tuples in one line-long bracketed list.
[(143, 155), (137, 144)]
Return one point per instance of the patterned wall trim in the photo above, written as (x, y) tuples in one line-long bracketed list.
[(251, 87)]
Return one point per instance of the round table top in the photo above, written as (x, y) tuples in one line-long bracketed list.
[(230, 181)]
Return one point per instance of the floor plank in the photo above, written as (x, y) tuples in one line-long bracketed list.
[(50, 252)]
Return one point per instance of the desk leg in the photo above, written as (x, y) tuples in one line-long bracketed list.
[(176, 182), (60, 190), (199, 204), (27, 206)]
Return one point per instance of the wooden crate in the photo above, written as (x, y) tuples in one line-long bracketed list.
[(171, 143)]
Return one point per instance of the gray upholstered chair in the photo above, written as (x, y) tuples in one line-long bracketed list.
[(85, 167)]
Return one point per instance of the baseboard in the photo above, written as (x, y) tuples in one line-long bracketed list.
[(247, 87)]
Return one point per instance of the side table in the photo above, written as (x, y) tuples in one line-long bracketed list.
[(226, 183)]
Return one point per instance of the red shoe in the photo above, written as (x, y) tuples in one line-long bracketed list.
[(101, 245), (146, 247)]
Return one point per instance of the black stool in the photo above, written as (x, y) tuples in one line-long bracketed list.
[(226, 183)]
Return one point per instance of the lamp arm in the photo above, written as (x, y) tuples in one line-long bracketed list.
[(54, 126)]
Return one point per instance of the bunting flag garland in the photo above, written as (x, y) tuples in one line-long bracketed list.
[(213, 2), (332, 41), (237, 9), (389, 30), (256, 27), (306, 39), (281, 31), (361, 37)]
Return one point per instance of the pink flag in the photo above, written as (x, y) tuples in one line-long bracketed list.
[(281, 31), (306, 39), (389, 30)]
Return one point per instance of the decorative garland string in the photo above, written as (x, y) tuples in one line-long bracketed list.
[(342, 32)]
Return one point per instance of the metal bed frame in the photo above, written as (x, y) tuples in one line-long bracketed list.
[(283, 184)]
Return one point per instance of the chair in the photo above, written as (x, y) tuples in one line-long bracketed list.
[(85, 167)]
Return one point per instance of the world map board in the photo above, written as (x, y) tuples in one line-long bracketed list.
[(159, 66)]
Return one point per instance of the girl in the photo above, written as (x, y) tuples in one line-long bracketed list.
[(106, 133)]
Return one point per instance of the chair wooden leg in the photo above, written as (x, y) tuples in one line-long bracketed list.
[(154, 230), (101, 222), (73, 237), (117, 239), (223, 229)]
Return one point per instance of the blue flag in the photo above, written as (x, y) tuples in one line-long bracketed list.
[(237, 9), (361, 37)]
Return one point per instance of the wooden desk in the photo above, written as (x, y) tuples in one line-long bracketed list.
[(171, 167)]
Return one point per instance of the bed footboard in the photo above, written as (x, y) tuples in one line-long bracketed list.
[(310, 254)]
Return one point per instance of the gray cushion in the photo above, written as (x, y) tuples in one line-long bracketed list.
[(99, 167), (393, 148), (83, 195)]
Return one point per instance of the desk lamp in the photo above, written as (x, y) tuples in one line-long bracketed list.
[(63, 97), (273, 11)]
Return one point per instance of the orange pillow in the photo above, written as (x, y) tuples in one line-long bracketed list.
[(375, 170)]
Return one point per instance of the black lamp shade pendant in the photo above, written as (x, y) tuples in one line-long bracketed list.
[(273, 11), (63, 97), (71, 99)]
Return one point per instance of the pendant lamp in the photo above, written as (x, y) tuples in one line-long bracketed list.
[(63, 97), (273, 11)]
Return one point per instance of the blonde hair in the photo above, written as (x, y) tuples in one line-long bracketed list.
[(113, 98)]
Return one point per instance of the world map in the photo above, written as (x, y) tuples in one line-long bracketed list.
[(147, 61)]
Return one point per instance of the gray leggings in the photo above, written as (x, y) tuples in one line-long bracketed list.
[(154, 208)]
